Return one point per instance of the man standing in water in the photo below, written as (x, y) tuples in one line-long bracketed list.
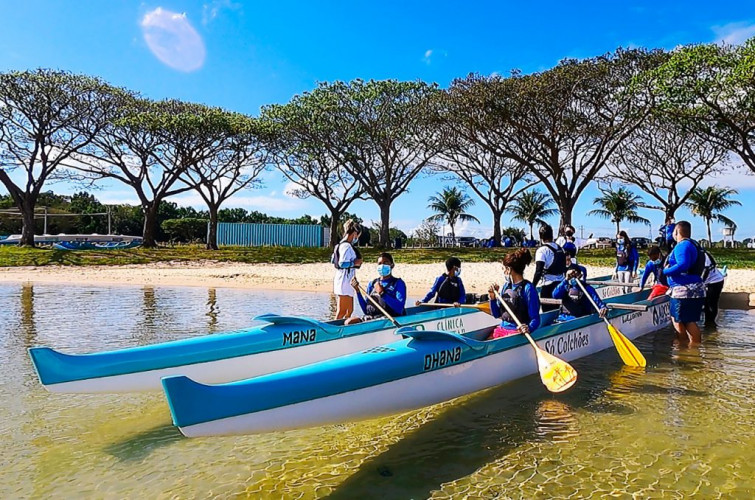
[(684, 271), (550, 265)]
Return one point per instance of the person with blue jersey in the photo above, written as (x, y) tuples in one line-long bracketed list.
[(570, 249), (520, 295), (386, 290), (550, 265), (684, 269), (627, 258), (448, 287), (574, 302), (667, 233), (346, 259), (654, 268)]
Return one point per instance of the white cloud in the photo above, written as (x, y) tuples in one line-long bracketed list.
[(734, 33), (211, 10), (428, 55), (173, 40)]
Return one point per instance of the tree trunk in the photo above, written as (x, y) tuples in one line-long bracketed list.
[(565, 206), (618, 228), (212, 230), (497, 215), (335, 218), (710, 237), (385, 222), (532, 236), (27, 230), (453, 235), (149, 233)]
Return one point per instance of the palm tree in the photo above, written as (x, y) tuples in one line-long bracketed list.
[(532, 206), (451, 205), (619, 206), (708, 203)]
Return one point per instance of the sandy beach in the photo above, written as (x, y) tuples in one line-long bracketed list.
[(308, 277)]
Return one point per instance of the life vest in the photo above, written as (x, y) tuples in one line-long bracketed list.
[(624, 256), (390, 289), (576, 303), (514, 297), (698, 267), (449, 291), (335, 258), (558, 266)]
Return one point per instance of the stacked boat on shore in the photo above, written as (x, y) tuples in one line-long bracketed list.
[(294, 372)]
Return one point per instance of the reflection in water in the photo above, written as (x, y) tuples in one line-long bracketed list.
[(679, 428), (27, 314), (212, 310)]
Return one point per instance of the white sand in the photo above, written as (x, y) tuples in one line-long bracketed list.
[(310, 277)]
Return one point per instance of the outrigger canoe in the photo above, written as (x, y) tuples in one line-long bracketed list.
[(283, 342), (427, 367)]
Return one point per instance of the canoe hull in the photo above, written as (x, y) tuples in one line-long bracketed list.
[(234, 368), (424, 389)]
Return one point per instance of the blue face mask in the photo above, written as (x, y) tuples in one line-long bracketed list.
[(458, 272), (573, 282), (620, 241), (383, 270)]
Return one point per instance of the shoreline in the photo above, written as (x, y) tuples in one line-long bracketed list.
[(477, 276)]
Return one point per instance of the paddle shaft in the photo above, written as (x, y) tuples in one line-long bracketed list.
[(377, 304), (584, 290), (435, 304)]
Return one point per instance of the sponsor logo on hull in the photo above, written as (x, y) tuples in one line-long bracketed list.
[(299, 337), (661, 314), (442, 358)]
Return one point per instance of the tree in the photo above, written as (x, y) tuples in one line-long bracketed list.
[(618, 206), (711, 88), (427, 232), (708, 204), (563, 123), (466, 154), (229, 157), (451, 205), (667, 161), (46, 117), (531, 207), (382, 132), (300, 141)]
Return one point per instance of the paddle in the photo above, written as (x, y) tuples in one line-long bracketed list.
[(627, 351), (485, 306), (376, 304), (557, 375)]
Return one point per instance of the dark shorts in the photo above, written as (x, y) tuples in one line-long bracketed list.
[(686, 310)]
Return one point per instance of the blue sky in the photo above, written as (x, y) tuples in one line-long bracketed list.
[(243, 55)]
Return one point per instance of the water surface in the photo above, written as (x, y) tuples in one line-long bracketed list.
[(684, 426)]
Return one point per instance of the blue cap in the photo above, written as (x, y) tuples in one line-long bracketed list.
[(570, 249)]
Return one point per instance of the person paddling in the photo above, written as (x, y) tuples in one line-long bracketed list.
[(684, 269), (519, 294), (346, 259), (570, 249), (627, 258), (550, 265), (448, 287), (574, 302), (387, 290)]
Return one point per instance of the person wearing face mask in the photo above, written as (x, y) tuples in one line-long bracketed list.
[(346, 259), (627, 258), (667, 233), (520, 295), (448, 287), (653, 268), (574, 302), (570, 249), (386, 290)]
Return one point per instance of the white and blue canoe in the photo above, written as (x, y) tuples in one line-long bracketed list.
[(283, 342), (427, 367)]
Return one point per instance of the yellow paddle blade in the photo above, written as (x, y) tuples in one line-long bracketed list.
[(557, 375), (483, 306), (626, 349)]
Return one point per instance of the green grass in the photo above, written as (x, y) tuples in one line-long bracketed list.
[(11, 256)]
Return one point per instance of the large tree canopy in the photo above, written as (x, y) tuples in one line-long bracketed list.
[(712, 89), (46, 116)]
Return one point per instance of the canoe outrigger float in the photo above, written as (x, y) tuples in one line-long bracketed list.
[(426, 368), (284, 342)]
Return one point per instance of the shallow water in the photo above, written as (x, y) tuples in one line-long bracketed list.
[(684, 426)]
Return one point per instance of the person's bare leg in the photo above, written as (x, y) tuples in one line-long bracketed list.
[(345, 306), (681, 332), (694, 332), (352, 321)]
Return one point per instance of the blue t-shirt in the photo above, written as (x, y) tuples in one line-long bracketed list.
[(633, 258), (650, 268), (436, 287), (562, 291), (529, 293), (394, 295)]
